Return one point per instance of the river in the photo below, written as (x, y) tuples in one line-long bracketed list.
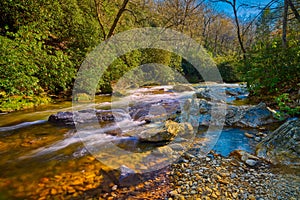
[(39, 158)]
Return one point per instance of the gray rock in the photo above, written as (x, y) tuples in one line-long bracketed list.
[(62, 118), (204, 93), (237, 116), (257, 139), (251, 162), (283, 145), (182, 88), (127, 177), (256, 116), (87, 116), (233, 175)]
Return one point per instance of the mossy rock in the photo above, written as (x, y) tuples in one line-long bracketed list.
[(83, 97)]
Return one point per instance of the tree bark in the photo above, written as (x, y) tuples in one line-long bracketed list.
[(117, 18), (238, 29), (293, 8), (284, 24), (115, 22)]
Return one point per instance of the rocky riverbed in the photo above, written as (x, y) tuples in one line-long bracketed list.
[(217, 177), (212, 177)]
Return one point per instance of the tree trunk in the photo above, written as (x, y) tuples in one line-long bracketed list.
[(237, 23), (238, 29), (284, 24)]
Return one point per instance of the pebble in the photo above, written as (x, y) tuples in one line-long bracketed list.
[(257, 139), (114, 187), (251, 162), (248, 135), (233, 175)]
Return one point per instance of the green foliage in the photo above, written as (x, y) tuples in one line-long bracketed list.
[(17, 69), (156, 56), (273, 69), (29, 67), (13, 103), (42, 44), (228, 67), (285, 104)]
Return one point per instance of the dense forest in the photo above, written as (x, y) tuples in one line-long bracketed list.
[(43, 43)]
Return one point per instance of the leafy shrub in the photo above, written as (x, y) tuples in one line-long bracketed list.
[(273, 70), (285, 104), (228, 68)]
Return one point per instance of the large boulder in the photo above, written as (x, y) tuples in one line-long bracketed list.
[(222, 93), (165, 133), (124, 176), (237, 116), (87, 116), (254, 117), (283, 145), (62, 118), (157, 110)]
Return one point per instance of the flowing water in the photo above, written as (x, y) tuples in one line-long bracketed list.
[(36, 156)]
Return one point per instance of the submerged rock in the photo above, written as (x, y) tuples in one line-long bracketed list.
[(283, 145), (204, 93), (237, 92), (128, 176)]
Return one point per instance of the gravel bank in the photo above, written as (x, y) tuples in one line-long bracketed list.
[(214, 177)]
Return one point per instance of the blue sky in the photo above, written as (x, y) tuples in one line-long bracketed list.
[(242, 12)]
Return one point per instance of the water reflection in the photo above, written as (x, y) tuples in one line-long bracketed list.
[(234, 139)]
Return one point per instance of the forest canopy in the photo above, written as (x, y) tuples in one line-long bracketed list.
[(43, 43)]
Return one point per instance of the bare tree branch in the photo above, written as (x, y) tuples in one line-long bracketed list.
[(259, 14), (237, 23), (117, 18), (293, 8), (284, 24), (98, 12)]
